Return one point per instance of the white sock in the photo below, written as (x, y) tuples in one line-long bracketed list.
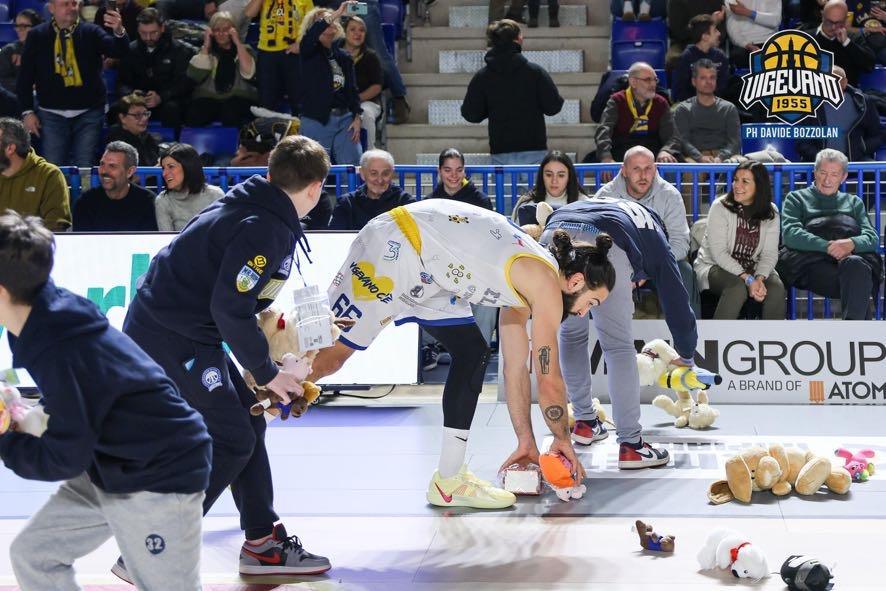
[(628, 7), (645, 7), (452, 452)]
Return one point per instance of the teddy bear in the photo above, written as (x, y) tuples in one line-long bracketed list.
[(543, 211), (280, 329), (557, 471), (860, 464), (15, 413), (654, 367), (780, 470), (651, 540), (731, 550)]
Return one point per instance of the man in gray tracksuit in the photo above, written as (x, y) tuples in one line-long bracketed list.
[(639, 181)]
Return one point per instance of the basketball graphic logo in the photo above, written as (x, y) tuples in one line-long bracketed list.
[(791, 76)]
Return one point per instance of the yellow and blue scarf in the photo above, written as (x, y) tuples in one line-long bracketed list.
[(65, 59)]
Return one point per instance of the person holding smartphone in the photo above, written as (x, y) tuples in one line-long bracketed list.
[(129, 11)]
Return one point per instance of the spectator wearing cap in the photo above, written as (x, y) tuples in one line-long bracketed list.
[(187, 192), (117, 204), (157, 66), (132, 127), (370, 76)]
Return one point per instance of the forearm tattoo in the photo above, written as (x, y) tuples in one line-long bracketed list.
[(544, 359), (554, 413)]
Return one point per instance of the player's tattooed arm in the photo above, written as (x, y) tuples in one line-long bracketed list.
[(544, 359), (556, 418)]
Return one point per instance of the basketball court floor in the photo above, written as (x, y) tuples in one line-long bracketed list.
[(350, 480)]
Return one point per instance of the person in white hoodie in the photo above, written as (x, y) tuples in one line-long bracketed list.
[(639, 181), (187, 192)]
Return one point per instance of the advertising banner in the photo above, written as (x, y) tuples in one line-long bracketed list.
[(106, 269)]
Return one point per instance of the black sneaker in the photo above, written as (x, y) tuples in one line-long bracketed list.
[(429, 358), (280, 555)]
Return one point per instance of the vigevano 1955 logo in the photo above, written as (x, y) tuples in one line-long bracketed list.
[(791, 76)]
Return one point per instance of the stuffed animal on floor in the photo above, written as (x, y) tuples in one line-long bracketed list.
[(654, 367), (597, 406), (280, 330), (729, 550), (858, 464), (18, 415), (557, 472), (542, 212), (651, 540), (804, 573), (780, 470)]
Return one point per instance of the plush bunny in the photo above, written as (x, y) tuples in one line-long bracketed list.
[(17, 414), (728, 549), (860, 464)]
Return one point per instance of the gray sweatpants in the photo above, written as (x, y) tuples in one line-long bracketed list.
[(612, 320), (159, 537)]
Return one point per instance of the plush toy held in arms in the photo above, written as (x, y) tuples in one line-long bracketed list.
[(558, 473), (18, 415)]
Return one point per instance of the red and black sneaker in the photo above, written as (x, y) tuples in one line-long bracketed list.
[(587, 432), (280, 555), (632, 456)]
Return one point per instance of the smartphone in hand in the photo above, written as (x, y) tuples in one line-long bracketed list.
[(358, 9)]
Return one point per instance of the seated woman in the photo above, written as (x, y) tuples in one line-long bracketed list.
[(223, 70), (556, 184), (187, 192), (132, 127), (330, 112), (740, 247), (370, 75), (453, 182), (11, 54)]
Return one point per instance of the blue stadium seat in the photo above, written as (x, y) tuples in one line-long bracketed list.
[(7, 33), (881, 155), (166, 134), (390, 35), (218, 141), (4, 12), (651, 30), (786, 147), (873, 80), (40, 6), (625, 53), (392, 12)]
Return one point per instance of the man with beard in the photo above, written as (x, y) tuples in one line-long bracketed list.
[(28, 183), (157, 66), (118, 205)]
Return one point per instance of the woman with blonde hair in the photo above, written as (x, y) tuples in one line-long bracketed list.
[(331, 109)]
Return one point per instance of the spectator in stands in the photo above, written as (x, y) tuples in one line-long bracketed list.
[(808, 12), (556, 184), (705, 45), (869, 18), (222, 70), (376, 195), (29, 184), (129, 11), (850, 48), (708, 126), (63, 60), (637, 116), (749, 24), (157, 65), (118, 204), (330, 104), (638, 181), (132, 127), (861, 133), (187, 192), (11, 54), (680, 12), (553, 13), (453, 182), (258, 137), (279, 63), (237, 10), (370, 76), (830, 247), (515, 95), (643, 10), (740, 247)]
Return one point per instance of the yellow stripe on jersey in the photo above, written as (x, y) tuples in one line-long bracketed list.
[(510, 262), (407, 225)]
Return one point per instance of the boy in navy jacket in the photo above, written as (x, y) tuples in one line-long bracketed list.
[(134, 456), (205, 288)]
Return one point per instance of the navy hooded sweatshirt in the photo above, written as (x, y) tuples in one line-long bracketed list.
[(354, 210), (113, 412), (469, 193), (226, 265), (639, 232)]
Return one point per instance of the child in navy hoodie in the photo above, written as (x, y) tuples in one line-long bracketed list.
[(134, 456)]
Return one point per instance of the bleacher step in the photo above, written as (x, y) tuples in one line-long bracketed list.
[(448, 112), (478, 16), (470, 60)]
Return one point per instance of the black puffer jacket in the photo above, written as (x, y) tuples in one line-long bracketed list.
[(165, 70)]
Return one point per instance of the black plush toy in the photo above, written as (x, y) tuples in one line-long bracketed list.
[(804, 573)]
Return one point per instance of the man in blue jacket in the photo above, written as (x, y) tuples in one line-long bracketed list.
[(134, 456), (640, 253), (206, 287), (378, 193)]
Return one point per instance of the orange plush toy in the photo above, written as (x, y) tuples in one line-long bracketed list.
[(557, 471)]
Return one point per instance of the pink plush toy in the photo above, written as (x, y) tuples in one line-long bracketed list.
[(859, 464)]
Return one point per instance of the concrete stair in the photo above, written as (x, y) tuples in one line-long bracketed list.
[(596, 12), (448, 112), (570, 15)]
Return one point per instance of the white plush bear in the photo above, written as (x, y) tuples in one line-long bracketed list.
[(18, 414), (654, 360), (728, 549)]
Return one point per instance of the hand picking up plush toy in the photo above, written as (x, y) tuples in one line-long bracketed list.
[(729, 550), (18, 415), (558, 473)]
